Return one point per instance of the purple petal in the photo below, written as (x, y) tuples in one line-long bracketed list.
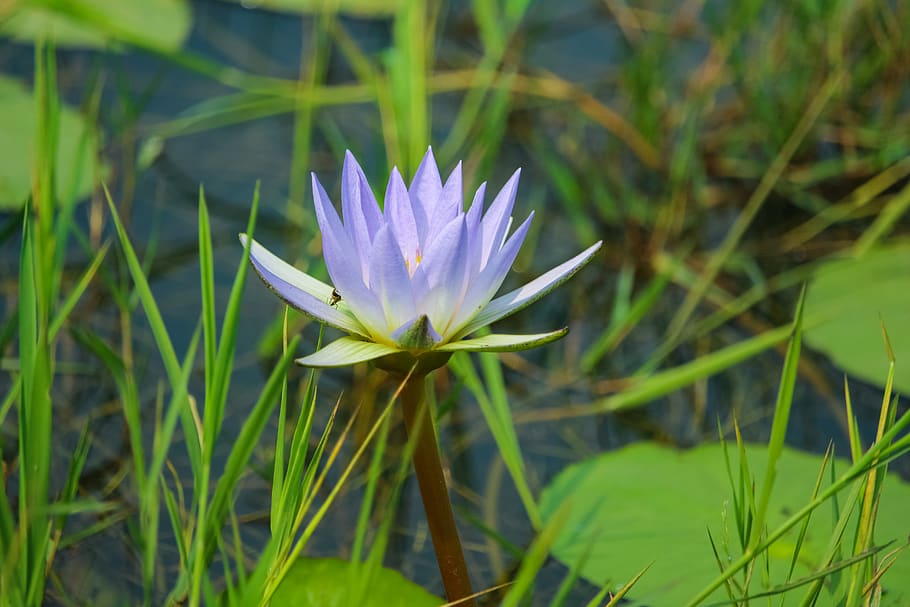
[(475, 235), (390, 281), (526, 295), (360, 212), (482, 287), (495, 222), (299, 290), (475, 211), (424, 192), (401, 217), (449, 204), (445, 266), (336, 243), (326, 215), (345, 263)]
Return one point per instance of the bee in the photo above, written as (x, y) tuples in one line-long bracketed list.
[(335, 298)]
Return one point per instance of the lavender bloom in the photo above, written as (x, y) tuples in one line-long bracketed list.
[(414, 278)]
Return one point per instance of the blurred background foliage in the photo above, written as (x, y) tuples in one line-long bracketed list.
[(727, 153)]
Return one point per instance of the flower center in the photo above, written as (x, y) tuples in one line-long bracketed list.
[(407, 263)]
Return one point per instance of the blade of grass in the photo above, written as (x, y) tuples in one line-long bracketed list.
[(408, 64), (494, 404), (744, 219), (620, 325), (34, 416), (614, 601), (534, 559), (159, 331), (874, 457), (664, 382), (780, 423), (246, 441), (884, 222)]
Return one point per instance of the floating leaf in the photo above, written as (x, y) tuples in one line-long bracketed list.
[(361, 8), (17, 155), (649, 504), (158, 24), (849, 299), (331, 582)]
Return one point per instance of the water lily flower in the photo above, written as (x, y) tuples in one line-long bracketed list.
[(414, 279)]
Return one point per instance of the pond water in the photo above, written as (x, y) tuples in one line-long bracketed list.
[(159, 203)]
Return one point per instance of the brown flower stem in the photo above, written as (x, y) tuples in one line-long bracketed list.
[(435, 494)]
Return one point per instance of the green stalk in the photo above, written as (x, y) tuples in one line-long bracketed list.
[(435, 493)]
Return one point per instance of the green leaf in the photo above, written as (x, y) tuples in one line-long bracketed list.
[(18, 124), (361, 8), (649, 503), (846, 304), (158, 24), (327, 582)]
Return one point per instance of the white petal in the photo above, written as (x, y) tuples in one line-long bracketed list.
[(524, 296), (501, 342), (346, 351), (301, 291)]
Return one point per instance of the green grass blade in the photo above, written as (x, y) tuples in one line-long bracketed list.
[(207, 284), (664, 382), (245, 443), (34, 416), (494, 404), (620, 325), (224, 359), (534, 560), (781, 420), (159, 332)]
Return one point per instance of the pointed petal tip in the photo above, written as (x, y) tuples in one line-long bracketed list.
[(502, 342), (350, 163), (429, 156), (524, 296), (589, 252)]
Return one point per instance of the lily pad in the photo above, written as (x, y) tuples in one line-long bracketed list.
[(159, 24), (846, 303), (650, 504), (18, 125), (332, 583), (361, 8)]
